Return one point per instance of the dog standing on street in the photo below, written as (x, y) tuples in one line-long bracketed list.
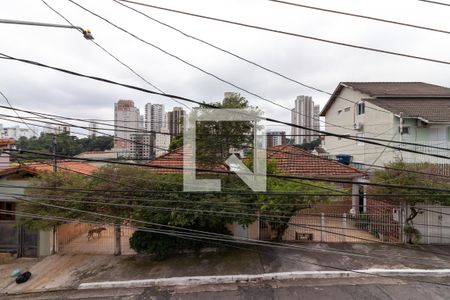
[(98, 231)]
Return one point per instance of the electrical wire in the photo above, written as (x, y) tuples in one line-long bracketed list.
[(153, 166), (292, 34), (115, 57), (435, 2), (361, 16), (4, 56), (237, 239), (192, 65)]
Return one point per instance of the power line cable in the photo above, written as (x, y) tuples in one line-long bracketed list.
[(435, 2), (193, 65), (240, 239), (362, 16), (142, 130), (4, 56), (242, 211), (115, 57), (287, 152), (241, 58), (153, 166), (9, 103), (292, 34)]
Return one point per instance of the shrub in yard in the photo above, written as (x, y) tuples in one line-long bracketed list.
[(165, 245), (413, 235)]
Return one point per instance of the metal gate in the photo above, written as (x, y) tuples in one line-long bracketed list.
[(18, 239), (338, 223), (8, 236), (73, 238)]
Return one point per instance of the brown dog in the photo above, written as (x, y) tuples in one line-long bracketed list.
[(98, 231)]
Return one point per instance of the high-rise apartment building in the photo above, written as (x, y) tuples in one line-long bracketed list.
[(16, 132), (141, 146), (154, 117), (126, 118), (162, 142), (305, 114), (276, 138), (93, 128), (175, 120)]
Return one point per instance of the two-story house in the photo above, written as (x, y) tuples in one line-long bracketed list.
[(413, 112)]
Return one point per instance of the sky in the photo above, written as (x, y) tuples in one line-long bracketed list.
[(317, 64)]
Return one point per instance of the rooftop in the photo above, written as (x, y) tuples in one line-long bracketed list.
[(392, 91), (399, 89), (290, 160), (35, 167), (431, 110)]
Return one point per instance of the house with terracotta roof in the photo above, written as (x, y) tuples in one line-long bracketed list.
[(14, 178), (290, 160), (172, 162), (413, 112)]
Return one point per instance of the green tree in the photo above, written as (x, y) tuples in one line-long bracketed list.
[(176, 142), (153, 198), (66, 144), (406, 174), (215, 139), (277, 210)]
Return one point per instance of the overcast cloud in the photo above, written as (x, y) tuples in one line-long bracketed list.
[(318, 64)]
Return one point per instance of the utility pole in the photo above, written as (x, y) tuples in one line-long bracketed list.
[(55, 167)]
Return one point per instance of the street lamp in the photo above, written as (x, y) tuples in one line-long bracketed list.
[(86, 32)]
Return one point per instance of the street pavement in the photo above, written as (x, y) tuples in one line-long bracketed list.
[(316, 289)]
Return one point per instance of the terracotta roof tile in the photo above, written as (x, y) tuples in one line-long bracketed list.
[(290, 160), (175, 159), (76, 166)]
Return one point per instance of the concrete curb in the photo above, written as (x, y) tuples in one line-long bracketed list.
[(224, 279)]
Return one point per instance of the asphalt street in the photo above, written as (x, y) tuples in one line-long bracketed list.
[(345, 289)]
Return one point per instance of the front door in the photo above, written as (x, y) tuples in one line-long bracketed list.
[(28, 242)]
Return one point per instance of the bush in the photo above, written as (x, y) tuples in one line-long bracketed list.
[(163, 245), (412, 234)]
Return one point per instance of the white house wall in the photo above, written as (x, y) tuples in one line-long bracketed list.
[(377, 122)]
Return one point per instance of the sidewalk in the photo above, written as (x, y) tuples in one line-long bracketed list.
[(69, 271)]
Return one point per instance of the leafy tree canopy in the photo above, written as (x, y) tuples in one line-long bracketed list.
[(66, 144)]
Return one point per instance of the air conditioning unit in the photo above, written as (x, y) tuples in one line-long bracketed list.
[(358, 126)]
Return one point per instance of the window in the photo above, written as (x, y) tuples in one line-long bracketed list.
[(360, 136), (361, 109), (347, 109), (9, 206), (405, 129)]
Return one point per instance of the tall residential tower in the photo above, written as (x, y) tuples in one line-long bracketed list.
[(175, 121), (305, 114), (126, 118), (154, 117)]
